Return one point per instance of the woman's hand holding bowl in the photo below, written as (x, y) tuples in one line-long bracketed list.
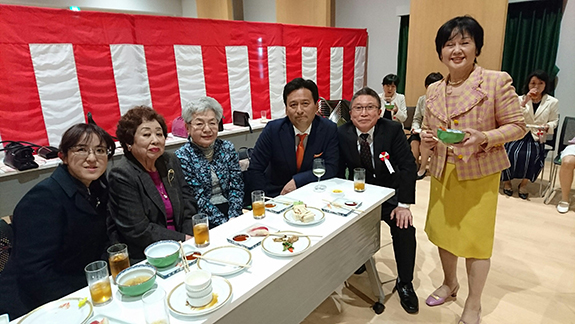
[(428, 140)]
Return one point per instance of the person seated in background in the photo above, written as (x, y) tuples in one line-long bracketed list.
[(283, 155), (415, 139), (393, 102), (360, 142), (211, 165), (150, 199), (59, 225), (527, 155), (566, 176)]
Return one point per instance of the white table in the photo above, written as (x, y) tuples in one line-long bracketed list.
[(284, 290)]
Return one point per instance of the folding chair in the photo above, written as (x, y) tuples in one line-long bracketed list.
[(567, 133), (549, 146)]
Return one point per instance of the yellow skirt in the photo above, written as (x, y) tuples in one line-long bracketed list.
[(461, 214)]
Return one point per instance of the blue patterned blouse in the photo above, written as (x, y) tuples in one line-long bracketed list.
[(197, 171)]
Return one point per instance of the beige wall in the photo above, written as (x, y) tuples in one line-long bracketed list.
[(306, 12), (215, 9), (426, 16)]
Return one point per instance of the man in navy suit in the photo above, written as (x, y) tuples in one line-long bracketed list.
[(282, 159), (366, 142)]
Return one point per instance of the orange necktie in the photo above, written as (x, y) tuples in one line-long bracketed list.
[(300, 150)]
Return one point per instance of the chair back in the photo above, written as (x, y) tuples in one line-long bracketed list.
[(567, 133), (551, 142), (5, 243)]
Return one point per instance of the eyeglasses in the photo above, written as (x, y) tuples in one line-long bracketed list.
[(198, 125), (84, 151), (368, 108)]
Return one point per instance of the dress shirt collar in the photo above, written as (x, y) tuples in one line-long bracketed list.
[(370, 132), (307, 131)]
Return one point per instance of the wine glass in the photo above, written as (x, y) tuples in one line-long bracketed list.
[(318, 170)]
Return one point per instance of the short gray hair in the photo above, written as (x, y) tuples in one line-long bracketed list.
[(200, 106)]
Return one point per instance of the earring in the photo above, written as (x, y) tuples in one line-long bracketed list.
[(129, 147)]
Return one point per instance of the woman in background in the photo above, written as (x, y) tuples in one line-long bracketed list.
[(149, 197), (415, 139), (211, 165), (527, 155), (390, 98), (59, 225), (465, 176)]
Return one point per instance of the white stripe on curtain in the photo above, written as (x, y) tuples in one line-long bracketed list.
[(277, 79), (239, 79), (336, 73), (309, 63), (190, 69), (57, 82), (131, 75), (359, 68)]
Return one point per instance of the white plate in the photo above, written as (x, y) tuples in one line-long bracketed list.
[(253, 241), (228, 253), (319, 217), (53, 313), (276, 248), (112, 320), (281, 204), (178, 304)]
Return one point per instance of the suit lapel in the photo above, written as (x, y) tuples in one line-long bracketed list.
[(287, 139), (378, 146), (351, 143), (149, 186)]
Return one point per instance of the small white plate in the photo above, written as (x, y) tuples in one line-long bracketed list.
[(178, 304), (276, 248), (112, 320), (289, 217), (281, 204), (253, 241), (228, 253), (59, 312)]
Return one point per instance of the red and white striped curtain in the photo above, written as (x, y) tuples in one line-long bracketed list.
[(58, 65)]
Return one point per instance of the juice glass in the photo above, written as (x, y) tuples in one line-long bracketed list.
[(258, 204), (201, 230), (359, 179), (118, 258), (99, 282)]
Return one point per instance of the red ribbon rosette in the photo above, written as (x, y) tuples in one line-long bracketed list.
[(384, 156)]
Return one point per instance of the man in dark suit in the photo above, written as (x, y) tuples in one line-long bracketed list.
[(283, 156), (366, 142)]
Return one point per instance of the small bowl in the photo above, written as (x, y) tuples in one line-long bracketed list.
[(450, 136), (198, 280), (199, 293), (130, 274), (190, 252), (199, 302), (389, 106), (336, 193), (162, 253), (241, 237)]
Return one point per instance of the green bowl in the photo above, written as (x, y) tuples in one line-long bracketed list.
[(163, 253), (389, 107), (450, 136), (141, 270)]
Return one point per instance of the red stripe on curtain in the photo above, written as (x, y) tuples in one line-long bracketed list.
[(97, 84), (216, 76), (348, 72), (323, 71), (259, 80), (163, 80), (293, 63), (21, 116)]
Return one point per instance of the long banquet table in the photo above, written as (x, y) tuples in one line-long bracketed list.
[(282, 289)]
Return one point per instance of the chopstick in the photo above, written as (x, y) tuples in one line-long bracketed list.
[(223, 261), (342, 206), (280, 200), (448, 146), (293, 234), (183, 257)]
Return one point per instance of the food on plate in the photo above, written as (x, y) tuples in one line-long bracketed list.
[(302, 214), (136, 281), (287, 242), (241, 237), (351, 203), (82, 302), (192, 256), (103, 321), (270, 205), (65, 306), (259, 231)]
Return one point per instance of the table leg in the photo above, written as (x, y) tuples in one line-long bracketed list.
[(376, 285)]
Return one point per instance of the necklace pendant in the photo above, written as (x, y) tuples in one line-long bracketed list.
[(448, 90), (165, 196)]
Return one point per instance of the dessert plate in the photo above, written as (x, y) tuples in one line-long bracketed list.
[(289, 217), (277, 249), (62, 311), (227, 253)]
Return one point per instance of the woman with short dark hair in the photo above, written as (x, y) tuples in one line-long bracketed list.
[(60, 224), (527, 155), (149, 197), (465, 176), (394, 107)]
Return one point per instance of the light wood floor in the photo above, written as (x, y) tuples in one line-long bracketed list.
[(532, 277)]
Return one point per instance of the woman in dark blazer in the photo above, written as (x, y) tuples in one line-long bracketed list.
[(149, 197), (59, 225)]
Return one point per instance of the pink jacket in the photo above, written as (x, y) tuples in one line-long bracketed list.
[(489, 104)]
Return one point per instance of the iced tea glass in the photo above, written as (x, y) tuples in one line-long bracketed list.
[(201, 230), (359, 179), (99, 282), (258, 204), (118, 258)]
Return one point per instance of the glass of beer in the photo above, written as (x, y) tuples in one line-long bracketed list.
[(118, 258), (359, 179), (155, 309), (258, 204), (201, 230), (99, 282)]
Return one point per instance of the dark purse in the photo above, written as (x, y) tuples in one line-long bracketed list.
[(19, 156), (240, 118)]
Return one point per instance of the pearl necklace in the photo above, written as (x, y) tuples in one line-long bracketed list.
[(454, 83)]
